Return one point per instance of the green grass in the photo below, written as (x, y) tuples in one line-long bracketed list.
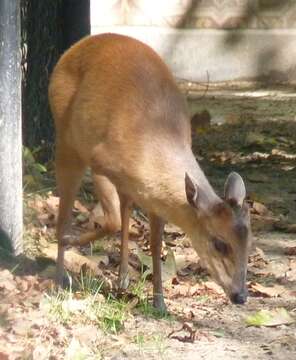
[(65, 307), (113, 314), (152, 343), (145, 306), (87, 284), (86, 304)]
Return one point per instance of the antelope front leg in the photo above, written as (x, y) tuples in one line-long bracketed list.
[(156, 231), (125, 210)]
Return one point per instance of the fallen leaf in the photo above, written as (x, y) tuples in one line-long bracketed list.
[(262, 223), (257, 254), (173, 229), (168, 269), (179, 290), (276, 153), (41, 352), (99, 258), (22, 327), (260, 290), (254, 139), (37, 203), (287, 167), (45, 219), (274, 317), (291, 251), (258, 208), (195, 289), (52, 204), (211, 285), (132, 304), (7, 280), (219, 333), (145, 260), (82, 218), (286, 227), (257, 259), (185, 263), (81, 208), (75, 262), (77, 351)]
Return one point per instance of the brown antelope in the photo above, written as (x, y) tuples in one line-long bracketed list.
[(118, 110)]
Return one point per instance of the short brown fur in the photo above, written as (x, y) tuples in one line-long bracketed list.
[(118, 110)]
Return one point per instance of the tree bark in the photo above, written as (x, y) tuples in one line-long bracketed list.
[(11, 212), (76, 21)]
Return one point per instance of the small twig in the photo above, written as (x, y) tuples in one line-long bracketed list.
[(186, 338), (206, 85)]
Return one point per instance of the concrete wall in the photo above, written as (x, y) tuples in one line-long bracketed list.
[(226, 39)]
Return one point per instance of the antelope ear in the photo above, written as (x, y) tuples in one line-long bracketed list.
[(234, 189), (191, 191)]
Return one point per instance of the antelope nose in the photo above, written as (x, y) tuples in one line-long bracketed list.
[(238, 298)]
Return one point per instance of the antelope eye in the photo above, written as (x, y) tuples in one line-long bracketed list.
[(221, 246)]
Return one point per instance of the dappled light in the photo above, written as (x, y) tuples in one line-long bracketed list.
[(181, 241)]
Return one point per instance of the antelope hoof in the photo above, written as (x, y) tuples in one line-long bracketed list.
[(159, 304), (60, 278), (123, 281)]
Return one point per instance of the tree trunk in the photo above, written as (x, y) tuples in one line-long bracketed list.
[(76, 21), (10, 127)]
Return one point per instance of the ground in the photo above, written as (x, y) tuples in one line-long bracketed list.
[(252, 132)]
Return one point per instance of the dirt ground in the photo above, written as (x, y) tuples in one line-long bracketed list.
[(250, 131)]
